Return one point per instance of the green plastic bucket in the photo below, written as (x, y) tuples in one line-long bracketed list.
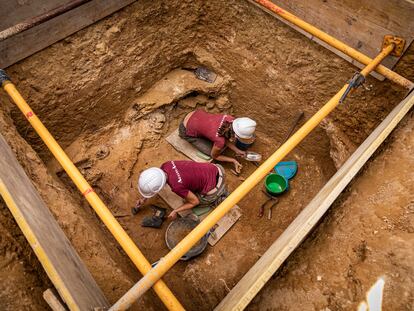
[(275, 184)]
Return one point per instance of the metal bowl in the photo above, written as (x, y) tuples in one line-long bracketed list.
[(178, 229), (253, 156)]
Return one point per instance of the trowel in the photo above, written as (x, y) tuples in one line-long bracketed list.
[(205, 74)]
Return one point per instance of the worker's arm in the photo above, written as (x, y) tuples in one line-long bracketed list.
[(191, 201), (233, 147), (216, 155), (140, 202)]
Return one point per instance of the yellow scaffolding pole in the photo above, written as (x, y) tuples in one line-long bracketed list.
[(337, 44), (165, 294), (197, 233)]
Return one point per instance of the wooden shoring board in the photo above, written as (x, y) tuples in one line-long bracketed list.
[(24, 10), (53, 301), (254, 280), (41, 36), (361, 27), (222, 226), (184, 147), (62, 264)]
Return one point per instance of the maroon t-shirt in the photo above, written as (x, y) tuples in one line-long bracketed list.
[(184, 176), (206, 125)]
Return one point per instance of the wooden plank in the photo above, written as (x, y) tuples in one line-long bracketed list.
[(184, 147), (253, 281), (61, 262), (23, 10), (361, 27), (53, 301), (222, 226), (37, 38)]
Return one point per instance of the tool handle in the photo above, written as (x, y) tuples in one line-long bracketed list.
[(357, 80), (345, 94), (261, 210), (292, 128)]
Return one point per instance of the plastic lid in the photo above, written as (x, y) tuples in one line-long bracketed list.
[(287, 169)]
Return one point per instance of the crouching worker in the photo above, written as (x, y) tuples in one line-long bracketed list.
[(199, 184), (211, 133)]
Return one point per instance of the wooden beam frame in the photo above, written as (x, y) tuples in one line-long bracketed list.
[(41, 36), (299, 9), (253, 281), (61, 262)]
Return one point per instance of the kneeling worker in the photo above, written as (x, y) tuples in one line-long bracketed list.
[(211, 133), (199, 184)]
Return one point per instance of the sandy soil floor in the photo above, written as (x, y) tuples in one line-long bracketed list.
[(367, 234)]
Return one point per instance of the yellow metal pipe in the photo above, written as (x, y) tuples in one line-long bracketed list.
[(377, 60), (197, 233), (165, 294), (337, 44)]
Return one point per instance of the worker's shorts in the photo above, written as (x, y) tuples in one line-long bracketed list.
[(201, 144), (217, 197)]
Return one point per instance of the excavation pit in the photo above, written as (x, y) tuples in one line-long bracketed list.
[(111, 93)]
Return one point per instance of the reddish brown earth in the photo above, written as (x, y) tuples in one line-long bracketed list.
[(112, 92), (367, 234)]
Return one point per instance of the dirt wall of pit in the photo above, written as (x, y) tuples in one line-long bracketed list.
[(86, 80), (102, 256), (281, 71), (92, 79)]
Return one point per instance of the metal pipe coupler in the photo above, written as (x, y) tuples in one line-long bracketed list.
[(3, 77)]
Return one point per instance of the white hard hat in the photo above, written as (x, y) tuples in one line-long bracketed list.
[(244, 127), (151, 181)]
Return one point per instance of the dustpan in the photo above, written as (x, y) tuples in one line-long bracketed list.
[(287, 169)]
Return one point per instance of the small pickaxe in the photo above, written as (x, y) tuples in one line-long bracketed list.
[(262, 207)]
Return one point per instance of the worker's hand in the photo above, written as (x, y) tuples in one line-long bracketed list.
[(237, 166), (241, 153), (139, 203), (173, 215)]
